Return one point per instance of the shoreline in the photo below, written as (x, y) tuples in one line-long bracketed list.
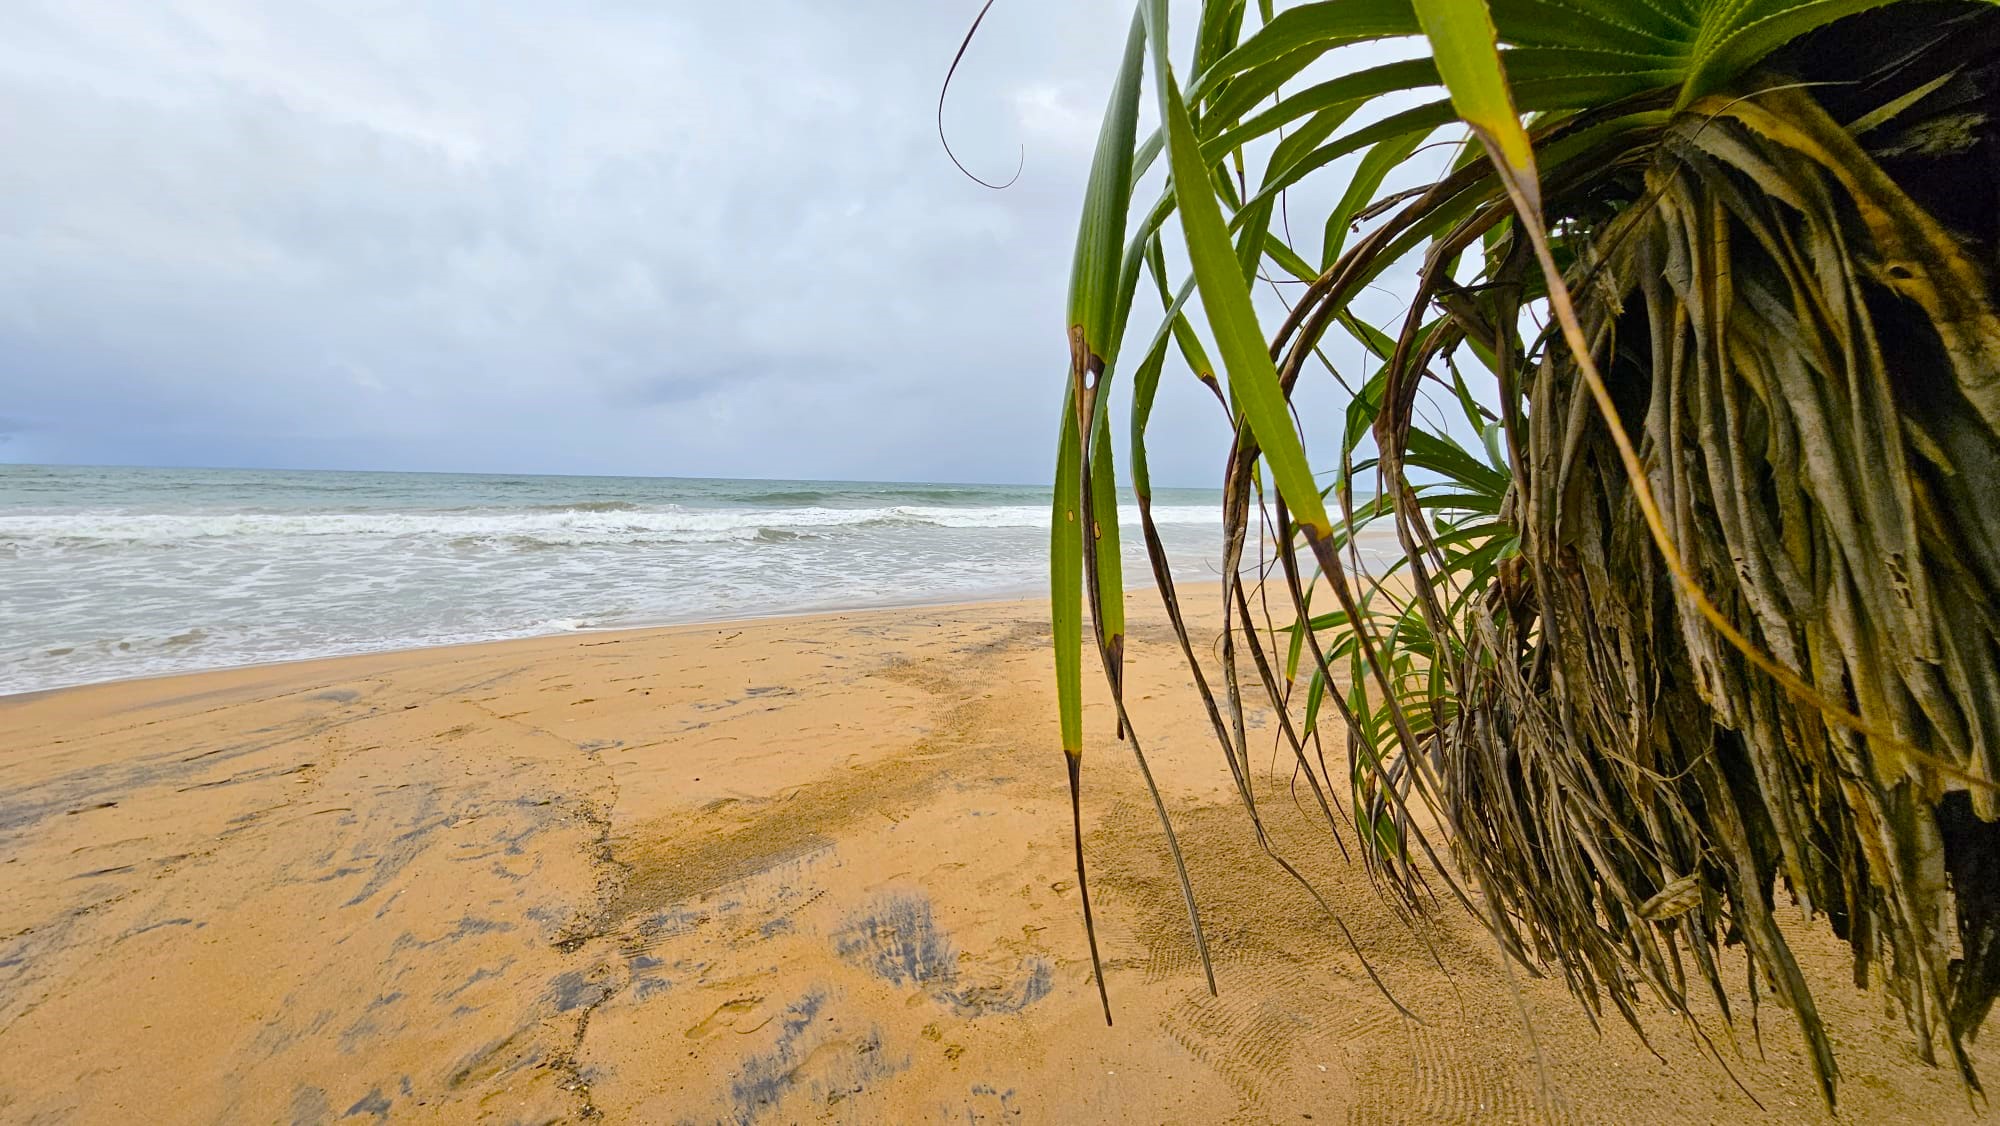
[(1000, 596), (1003, 597), (127, 573)]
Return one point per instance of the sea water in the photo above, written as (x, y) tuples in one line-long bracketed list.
[(108, 573)]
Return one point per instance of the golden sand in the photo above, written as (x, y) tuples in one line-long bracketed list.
[(809, 869)]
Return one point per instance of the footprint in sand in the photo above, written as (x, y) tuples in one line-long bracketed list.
[(725, 1016)]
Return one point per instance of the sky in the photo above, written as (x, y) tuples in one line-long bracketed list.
[(608, 236)]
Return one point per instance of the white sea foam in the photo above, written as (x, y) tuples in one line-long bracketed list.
[(108, 573), (576, 526)]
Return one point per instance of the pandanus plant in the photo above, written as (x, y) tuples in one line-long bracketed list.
[(1709, 611)]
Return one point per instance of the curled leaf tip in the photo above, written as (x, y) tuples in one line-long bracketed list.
[(946, 88)]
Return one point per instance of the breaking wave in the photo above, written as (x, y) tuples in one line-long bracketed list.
[(605, 524)]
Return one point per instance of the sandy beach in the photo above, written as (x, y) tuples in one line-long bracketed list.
[(805, 869)]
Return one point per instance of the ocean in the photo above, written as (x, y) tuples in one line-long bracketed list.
[(108, 573)]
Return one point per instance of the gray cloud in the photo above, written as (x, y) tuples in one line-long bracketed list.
[(605, 237), (616, 237)]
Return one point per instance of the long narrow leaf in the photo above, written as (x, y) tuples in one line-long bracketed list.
[(1253, 378)]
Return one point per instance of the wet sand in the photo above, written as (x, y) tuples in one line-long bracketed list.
[(809, 869)]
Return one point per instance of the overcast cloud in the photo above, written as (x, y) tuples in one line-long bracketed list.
[(620, 237)]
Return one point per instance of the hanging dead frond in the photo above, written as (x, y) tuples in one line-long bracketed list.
[(1708, 608)]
